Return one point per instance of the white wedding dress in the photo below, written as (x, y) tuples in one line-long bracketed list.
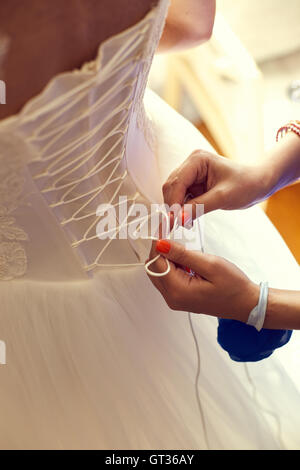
[(95, 358)]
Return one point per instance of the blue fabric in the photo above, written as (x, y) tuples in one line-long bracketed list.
[(245, 344)]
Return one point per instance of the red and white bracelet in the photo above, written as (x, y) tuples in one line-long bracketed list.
[(292, 126)]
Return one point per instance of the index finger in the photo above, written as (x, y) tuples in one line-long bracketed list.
[(189, 174)]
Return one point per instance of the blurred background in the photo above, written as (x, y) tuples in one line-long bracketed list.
[(240, 87)]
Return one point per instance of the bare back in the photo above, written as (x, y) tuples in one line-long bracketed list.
[(49, 37)]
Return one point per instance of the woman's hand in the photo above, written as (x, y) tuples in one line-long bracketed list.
[(216, 182), (218, 287)]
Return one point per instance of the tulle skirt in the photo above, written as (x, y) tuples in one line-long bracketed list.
[(103, 363)]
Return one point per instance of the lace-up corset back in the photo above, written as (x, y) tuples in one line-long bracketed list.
[(77, 131)]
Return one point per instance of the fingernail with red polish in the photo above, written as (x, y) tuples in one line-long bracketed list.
[(163, 246)]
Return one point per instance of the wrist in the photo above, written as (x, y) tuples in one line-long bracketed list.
[(283, 310), (282, 166), (269, 178), (261, 179), (249, 301), (272, 306)]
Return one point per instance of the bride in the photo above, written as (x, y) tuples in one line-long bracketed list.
[(94, 357)]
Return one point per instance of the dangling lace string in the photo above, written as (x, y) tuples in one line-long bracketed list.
[(198, 371), (197, 379), (262, 409), (199, 403)]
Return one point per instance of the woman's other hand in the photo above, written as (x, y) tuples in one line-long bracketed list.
[(216, 182)]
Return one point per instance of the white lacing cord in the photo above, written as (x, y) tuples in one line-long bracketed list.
[(168, 237), (125, 223), (152, 273), (197, 380), (58, 178)]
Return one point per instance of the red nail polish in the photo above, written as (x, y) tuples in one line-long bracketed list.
[(163, 246)]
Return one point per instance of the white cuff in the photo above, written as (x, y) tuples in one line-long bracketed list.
[(258, 314)]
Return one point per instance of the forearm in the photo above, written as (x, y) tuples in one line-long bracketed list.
[(282, 166), (283, 311), (281, 169)]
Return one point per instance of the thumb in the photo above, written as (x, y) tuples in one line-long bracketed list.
[(199, 262), (211, 200)]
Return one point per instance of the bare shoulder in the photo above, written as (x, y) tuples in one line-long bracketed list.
[(48, 37)]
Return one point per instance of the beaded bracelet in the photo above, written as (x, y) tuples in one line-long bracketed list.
[(292, 126)]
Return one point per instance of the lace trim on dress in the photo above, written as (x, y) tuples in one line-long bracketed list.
[(13, 259), (143, 121)]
